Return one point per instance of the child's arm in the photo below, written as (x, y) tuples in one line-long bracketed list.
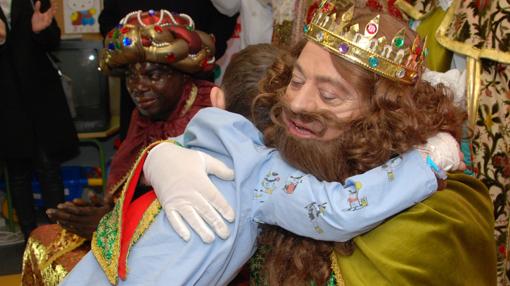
[(326, 211), (338, 212)]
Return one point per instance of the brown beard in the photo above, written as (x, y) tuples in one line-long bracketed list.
[(288, 257), (324, 159)]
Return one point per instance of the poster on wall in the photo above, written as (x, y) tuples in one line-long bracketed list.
[(80, 16)]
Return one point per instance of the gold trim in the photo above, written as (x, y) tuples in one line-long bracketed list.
[(473, 80), (464, 48), (335, 266), (109, 265), (36, 257), (119, 184), (65, 244), (191, 99)]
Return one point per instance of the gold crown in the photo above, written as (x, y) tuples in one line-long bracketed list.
[(394, 60)]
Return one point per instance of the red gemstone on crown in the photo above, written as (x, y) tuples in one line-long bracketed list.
[(372, 28), (158, 29), (124, 30)]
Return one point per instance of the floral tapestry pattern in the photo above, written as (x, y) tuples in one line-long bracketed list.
[(491, 146), (481, 30)]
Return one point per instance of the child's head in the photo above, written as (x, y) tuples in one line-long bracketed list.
[(240, 83)]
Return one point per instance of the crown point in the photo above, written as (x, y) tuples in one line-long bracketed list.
[(355, 28), (372, 27)]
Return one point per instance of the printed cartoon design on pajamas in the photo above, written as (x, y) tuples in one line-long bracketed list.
[(315, 210), (292, 184), (355, 202), (390, 165), (269, 184)]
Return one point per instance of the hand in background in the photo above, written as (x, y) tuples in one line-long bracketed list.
[(3, 32), (81, 217), (41, 21)]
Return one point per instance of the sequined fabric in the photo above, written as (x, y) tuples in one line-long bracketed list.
[(51, 252)]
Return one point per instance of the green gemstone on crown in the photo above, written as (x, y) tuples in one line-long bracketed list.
[(398, 42)]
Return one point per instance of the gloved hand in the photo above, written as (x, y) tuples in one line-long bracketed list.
[(180, 179), (444, 150)]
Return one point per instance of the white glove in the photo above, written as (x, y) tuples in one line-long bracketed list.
[(180, 179), (443, 149)]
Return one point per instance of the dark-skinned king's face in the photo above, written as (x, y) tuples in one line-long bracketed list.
[(155, 88)]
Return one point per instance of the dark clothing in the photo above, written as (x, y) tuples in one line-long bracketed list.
[(34, 109), (203, 13), (36, 126)]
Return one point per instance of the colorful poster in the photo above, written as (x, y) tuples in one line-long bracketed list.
[(80, 16)]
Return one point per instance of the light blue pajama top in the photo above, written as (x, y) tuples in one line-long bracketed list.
[(265, 190)]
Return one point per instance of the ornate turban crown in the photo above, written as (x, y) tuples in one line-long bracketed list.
[(394, 60), (158, 37)]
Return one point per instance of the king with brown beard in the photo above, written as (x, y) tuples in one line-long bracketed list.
[(336, 114)]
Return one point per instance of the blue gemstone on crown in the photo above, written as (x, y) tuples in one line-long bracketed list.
[(127, 42), (373, 62), (111, 46)]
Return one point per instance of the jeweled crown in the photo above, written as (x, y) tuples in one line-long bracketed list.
[(395, 60)]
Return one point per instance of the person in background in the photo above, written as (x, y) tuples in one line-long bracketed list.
[(37, 130), (166, 95), (206, 18)]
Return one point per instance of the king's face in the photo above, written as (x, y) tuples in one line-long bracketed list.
[(155, 88), (316, 85)]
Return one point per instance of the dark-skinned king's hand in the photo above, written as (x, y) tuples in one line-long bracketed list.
[(81, 217)]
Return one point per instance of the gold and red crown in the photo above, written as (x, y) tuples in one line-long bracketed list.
[(159, 37), (395, 60)]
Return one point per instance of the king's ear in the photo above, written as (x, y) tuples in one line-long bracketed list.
[(217, 97)]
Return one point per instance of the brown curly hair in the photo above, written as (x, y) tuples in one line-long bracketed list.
[(395, 118)]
